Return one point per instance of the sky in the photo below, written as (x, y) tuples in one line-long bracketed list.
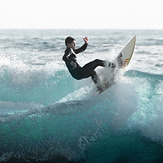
[(81, 14)]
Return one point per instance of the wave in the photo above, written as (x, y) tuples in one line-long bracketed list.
[(47, 115), (145, 75), (57, 129), (21, 82), (77, 130)]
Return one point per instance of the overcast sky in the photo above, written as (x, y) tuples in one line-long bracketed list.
[(82, 14)]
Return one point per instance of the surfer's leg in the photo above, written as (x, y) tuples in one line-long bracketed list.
[(96, 80), (92, 65), (89, 67), (86, 71)]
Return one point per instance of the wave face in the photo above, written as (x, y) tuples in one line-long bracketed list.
[(46, 115)]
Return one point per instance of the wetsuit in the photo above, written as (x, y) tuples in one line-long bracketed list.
[(76, 70)]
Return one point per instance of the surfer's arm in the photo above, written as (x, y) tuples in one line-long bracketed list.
[(70, 59), (66, 55), (69, 55), (83, 47)]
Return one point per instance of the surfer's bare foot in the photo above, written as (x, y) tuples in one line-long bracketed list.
[(100, 90), (112, 65), (119, 59), (120, 55)]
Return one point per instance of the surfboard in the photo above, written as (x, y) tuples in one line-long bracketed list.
[(127, 52), (125, 57)]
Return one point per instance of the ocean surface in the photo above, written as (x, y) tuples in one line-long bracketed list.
[(47, 116)]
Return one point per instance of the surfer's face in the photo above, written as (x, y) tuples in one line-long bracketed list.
[(71, 45)]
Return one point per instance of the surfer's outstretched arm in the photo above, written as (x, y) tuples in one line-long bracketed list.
[(83, 48)]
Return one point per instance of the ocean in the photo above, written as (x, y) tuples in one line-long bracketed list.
[(47, 116)]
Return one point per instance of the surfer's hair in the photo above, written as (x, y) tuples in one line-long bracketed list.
[(69, 40)]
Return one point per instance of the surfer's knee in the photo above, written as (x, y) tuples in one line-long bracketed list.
[(96, 61), (99, 62), (94, 76)]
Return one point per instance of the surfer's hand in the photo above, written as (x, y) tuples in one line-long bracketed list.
[(113, 65), (86, 40)]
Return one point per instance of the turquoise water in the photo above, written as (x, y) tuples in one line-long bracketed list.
[(46, 115)]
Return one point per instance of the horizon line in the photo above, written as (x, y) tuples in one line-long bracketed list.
[(80, 28)]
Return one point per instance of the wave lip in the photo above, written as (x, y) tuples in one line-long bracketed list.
[(140, 74)]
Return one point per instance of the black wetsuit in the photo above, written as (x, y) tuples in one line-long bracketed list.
[(76, 70)]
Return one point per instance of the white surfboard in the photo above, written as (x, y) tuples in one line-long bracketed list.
[(126, 55), (128, 51)]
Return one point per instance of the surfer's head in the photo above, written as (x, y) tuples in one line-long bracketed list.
[(70, 42)]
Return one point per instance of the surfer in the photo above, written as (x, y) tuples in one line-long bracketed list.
[(87, 70)]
